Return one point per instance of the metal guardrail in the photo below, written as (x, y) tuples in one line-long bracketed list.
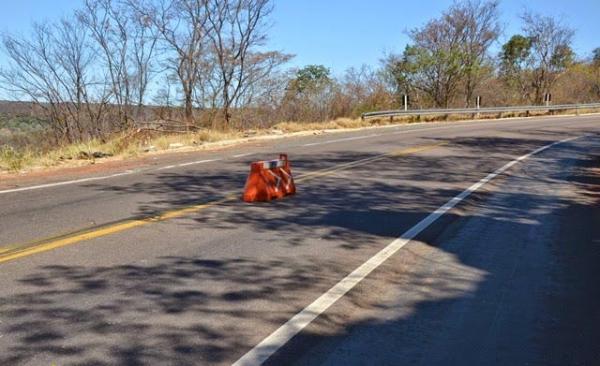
[(475, 111), (168, 126)]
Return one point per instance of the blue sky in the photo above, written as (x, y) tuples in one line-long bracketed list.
[(344, 33)]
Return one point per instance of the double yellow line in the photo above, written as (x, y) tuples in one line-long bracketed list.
[(16, 251)]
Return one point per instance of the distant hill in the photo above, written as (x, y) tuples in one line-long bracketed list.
[(12, 108), (17, 118)]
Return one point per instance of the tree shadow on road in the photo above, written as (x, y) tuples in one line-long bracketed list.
[(189, 311), (523, 291)]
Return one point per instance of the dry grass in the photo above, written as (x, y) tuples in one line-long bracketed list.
[(120, 146), (340, 123), (164, 142), (131, 145), (14, 160)]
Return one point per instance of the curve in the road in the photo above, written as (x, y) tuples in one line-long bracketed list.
[(265, 349), (16, 251)]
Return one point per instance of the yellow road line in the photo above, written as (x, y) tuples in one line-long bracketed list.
[(53, 243), (16, 251), (403, 152), (6, 249)]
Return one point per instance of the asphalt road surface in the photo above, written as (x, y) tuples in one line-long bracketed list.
[(471, 243)]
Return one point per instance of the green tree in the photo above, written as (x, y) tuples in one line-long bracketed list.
[(310, 94), (514, 60), (399, 72), (447, 54), (432, 66), (311, 77), (515, 53)]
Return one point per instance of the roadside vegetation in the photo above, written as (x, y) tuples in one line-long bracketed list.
[(120, 78)]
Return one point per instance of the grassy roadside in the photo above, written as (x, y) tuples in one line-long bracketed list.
[(142, 142), (118, 147)]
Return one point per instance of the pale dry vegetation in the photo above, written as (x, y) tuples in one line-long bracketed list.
[(130, 146)]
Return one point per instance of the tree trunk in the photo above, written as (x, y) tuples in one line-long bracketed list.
[(189, 108)]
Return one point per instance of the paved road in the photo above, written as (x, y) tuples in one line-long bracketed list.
[(507, 276)]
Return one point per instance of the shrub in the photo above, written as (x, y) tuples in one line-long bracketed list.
[(13, 160)]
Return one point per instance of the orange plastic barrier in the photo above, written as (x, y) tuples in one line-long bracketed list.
[(269, 180)]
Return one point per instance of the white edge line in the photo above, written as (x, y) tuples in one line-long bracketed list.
[(198, 162), (167, 167), (67, 182), (92, 179), (266, 348), (241, 155), (401, 132), (341, 140)]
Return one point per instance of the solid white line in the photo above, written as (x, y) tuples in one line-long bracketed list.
[(84, 180), (340, 140), (401, 132), (67, 182), (241, 155), (167, 167), (261, 352), (198, 162), (187, 164)]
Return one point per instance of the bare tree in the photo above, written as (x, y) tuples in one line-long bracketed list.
[(181, 25), (127, 42), (551, 51), (363, 89), (109, 28), (259, 73), (75, 58), (163, 97), (54, 69), (145, 39), (479, 22), (235, 28)]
